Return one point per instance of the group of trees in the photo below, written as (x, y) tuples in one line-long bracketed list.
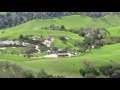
[(15, 18), (9, 70), (29, 49), (113, 40), (92, 37), (28, 39), (53, 27), (63, 39), (111, 70)]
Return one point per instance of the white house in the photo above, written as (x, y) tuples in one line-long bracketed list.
[(51, 56)]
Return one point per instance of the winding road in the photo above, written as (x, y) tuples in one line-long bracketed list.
[(37, 48)]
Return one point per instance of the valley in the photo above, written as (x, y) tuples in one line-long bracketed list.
[(62, 46)]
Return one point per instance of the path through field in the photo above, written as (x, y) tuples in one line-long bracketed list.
[(37, 48)]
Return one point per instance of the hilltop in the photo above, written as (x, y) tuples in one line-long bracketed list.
[(10, 19), (79, 21)]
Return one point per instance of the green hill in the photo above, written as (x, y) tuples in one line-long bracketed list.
[(70, 22), (115, 31), (3, 12), (68, 67), (73, 21)]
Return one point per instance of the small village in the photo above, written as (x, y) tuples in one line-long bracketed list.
[(47, 41)]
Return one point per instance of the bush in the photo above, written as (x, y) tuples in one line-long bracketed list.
[(62, 27), (8, 70), (42, 74), (29, 50), (3, 31), (90, 75), (77, 43), (63, 39), (106, 71), (28, 74), (21, 37)]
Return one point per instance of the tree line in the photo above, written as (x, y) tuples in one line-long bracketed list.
[(15, 18), (110, 70)]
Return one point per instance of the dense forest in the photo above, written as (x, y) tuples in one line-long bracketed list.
[(15, 18)]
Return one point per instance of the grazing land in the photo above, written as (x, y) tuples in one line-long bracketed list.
[(97, 44)]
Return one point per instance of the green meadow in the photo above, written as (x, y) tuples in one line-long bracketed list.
[(68, 67)]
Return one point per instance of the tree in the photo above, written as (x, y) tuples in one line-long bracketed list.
[(21, 37), (62, 27), (12, 19), (30, 49), (54, 49), (3, 31), (81, 32), (77, 43), (28, 74), (63, 39), (42, 74), (68, 48)]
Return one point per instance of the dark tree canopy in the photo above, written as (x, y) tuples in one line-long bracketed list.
[(15, 18)]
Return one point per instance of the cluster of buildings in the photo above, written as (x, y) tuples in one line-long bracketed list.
[(8, 43), (48, 41), (60, 53)]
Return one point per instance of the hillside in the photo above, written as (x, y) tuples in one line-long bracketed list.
[(69, 67), (76, 21), (65, 66), (28, 29), (115, 31), (3, 13), (10, 19)]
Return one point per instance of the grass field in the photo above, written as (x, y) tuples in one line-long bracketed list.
[(74, 21), (68, 67), (3, 12), (18, 50), (115, 31)]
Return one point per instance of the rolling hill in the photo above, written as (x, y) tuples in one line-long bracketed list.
[(68, 67)]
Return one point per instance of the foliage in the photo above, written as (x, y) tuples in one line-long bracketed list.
[(9, 70), (110, 70), (21, 37), (62, 27), (29, 49), (63, 39), (43, 74)]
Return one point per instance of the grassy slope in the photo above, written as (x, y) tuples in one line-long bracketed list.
[(69, 67), (27, 29), (115, 31), (66, 66), (3, 12), (74, 21), (18, 50)]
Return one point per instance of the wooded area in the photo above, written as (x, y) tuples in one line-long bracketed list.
[(15, 18)]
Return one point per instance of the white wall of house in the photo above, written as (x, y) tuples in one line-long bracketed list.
[(51, 56)]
